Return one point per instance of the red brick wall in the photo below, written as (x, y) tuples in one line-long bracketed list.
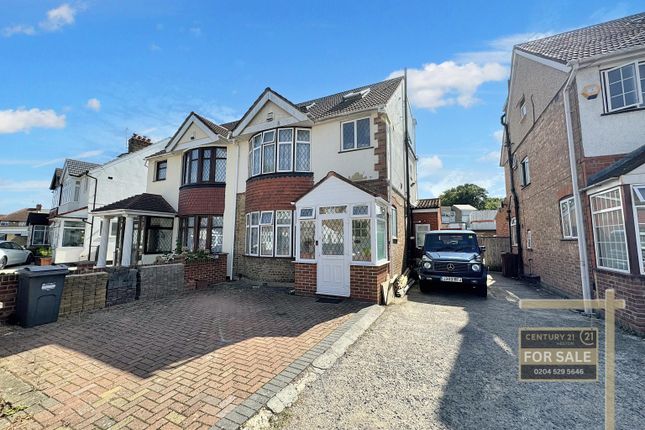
[(8, 292), (501, 223), (199, 274), (201, 200), (276, 192), (365, 282), (628, 287), (397, 250), (592, 165), (305, 278)]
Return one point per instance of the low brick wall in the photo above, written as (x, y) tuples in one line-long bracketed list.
[(122, 285), (628, 287), (201, 274), (305, 278), (365, 282), (266, 269), (83, 292), (160, 280), (8, 293)]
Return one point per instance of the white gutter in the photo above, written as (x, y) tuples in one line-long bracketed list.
[(582, 240)]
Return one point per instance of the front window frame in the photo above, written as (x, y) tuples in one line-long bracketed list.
[(161, 166), (597, 244), (639, 87), (355, 135), (570, 222), (269, 143), (638, 192), (196, 159), (149, 227), (190, 226)]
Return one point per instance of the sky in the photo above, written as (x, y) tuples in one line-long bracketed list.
[(78, 77)]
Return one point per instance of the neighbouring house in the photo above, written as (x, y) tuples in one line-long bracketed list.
[(456, 217), (575, 129), (483, 222), (312, 193), (426, 216), (16, 226), (80, 187)]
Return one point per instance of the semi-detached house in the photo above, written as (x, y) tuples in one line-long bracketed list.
[(312, 193), (575, 116)]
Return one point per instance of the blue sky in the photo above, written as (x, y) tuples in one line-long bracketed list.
[(76, 78)]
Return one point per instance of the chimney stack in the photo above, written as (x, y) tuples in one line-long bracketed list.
[(137, 142)]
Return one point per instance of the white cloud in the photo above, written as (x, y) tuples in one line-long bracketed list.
[(448, 83), (23, 185), (93, 104), (428, 166), (154, 47), (59, 17), (499, 50), (14, 121), (490, 156), (195, 31), (498, 136), (18, 29)]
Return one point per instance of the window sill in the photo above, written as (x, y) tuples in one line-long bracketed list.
[(204, 185), (342, 151), (268, 256), (158, 180), (616, 112), (525, 186), (278, 175), (569, 239)]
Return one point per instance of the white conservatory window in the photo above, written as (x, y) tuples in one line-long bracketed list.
[(609, 230)]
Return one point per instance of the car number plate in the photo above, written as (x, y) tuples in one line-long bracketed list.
[(450, 279)]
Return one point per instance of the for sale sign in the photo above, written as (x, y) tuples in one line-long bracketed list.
[(558, 354)]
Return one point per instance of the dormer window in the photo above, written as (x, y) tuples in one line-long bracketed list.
[(356, 94), (624, 86)]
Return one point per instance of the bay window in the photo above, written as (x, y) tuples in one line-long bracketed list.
[(269, 233), (202, 233), (204, 165), (277, 151), (73, 233), (609, 230)]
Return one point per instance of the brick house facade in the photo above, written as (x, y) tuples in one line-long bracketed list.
[(604, 139)]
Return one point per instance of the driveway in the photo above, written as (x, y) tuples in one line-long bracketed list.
[(180, 362), (448, 360)]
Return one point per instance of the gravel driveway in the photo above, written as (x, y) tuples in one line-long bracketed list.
[(448, 360)]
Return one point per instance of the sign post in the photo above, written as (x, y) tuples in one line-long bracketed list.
[(609, 304)]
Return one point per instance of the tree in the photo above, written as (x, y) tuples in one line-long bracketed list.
[(469, 194)]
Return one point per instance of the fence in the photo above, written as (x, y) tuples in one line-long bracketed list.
[(495, 247)]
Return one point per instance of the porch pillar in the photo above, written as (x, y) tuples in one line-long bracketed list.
[(103, 244), (126, 252)]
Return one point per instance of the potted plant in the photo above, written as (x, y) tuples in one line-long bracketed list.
[(44, 256)]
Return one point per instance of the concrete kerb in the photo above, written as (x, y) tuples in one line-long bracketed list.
[(283, 390)]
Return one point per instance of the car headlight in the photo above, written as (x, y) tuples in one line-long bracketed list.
[(476, 267), (427, 265)]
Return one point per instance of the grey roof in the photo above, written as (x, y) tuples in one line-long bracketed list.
[(630, 162), (428, 204), (141, 202), (335, 104), (218, 129), (611, 36), (77, 167)]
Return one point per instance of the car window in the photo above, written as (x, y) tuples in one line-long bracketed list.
[(16, 246), (451, 242), (5, 245)]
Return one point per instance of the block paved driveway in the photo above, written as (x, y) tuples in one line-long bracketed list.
[(181, 362)]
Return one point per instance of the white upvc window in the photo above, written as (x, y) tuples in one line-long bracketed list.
[(526, 172), (568, 218), (285, 149), (254, 233), (513, 231), (40, 235), (609, 230), (361, 210), (307, 213), (268, 151), (303, 150), (381, 233), (73, 233), (256, 159), (638, 194), (393, 222), (77, 190), (355, 134), (266, 234), (420, 231), (283, 230), (624, 86)]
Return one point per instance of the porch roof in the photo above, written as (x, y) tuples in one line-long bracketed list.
[(145, 203), (631, 161)]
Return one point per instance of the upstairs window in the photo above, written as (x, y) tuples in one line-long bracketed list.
[(162, 168), (203, 166), (356, 134), (624, 86), (526, 172), (277, 151)]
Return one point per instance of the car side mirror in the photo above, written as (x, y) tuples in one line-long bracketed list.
[(482, 249)]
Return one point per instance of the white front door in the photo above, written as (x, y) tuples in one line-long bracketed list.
[(333, 252)]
